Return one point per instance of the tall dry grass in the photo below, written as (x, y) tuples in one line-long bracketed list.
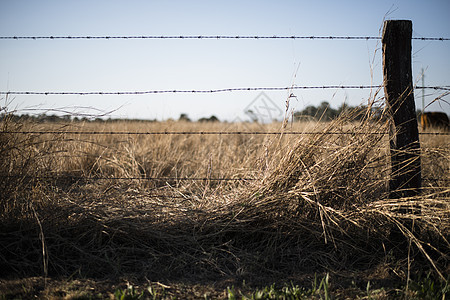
[(316, 202)]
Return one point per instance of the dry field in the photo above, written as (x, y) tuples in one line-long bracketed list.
[(99, 210)]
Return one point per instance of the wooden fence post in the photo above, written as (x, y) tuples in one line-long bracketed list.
[(398, 89)]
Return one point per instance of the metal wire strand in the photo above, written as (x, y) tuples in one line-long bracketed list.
[(210, 37), (324, 87), (69, 177), (158, 179), (204, 133)]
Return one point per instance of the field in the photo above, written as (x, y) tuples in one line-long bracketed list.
[(303, 216)]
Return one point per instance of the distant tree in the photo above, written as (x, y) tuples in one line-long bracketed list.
[(52, 118), (184, 117), (214, 119), (24, 117), (210, 119), (310, 111), (343, 108), (323, 112)]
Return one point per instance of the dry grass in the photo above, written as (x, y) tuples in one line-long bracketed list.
[(318, 203)]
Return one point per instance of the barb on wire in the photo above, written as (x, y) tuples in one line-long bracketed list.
[(324, 87), (204, 133), (210, 37)]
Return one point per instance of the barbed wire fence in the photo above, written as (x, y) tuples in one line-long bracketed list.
[(210, 37), (206, 133), (154, 179), (294, 87), (197, 37), (334, 87)]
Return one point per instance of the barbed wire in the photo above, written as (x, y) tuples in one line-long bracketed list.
[(204, 133), (192, 37), (87, 178), (210, 37), (444, 88), (167, 179)]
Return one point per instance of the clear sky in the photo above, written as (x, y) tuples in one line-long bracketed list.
[(141, 65)]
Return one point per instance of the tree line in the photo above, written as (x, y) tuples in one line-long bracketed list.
[(322, 112)]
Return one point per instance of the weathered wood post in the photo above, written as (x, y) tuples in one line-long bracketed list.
[(398, 89)]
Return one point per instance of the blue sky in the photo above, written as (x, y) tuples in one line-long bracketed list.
[(141, 65)]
